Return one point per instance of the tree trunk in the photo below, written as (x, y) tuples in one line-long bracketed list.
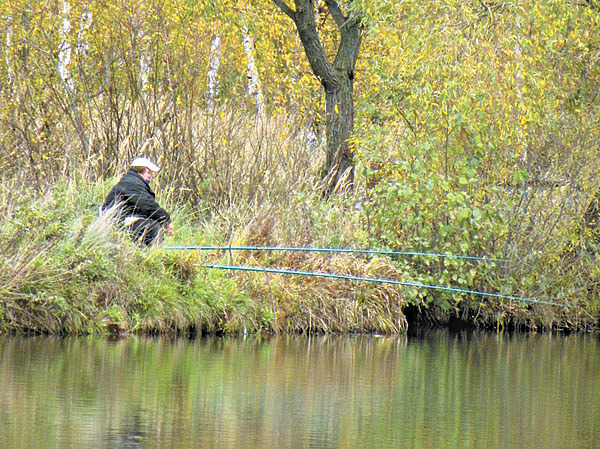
[(339, 110), (64, 50), (213, 70), (83, 47), (144, 47), (254, 89), (8, 50), (337, 79)]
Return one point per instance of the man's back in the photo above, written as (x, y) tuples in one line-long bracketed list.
[(135, 197)]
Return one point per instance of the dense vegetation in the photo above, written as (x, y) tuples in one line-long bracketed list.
[(477, 130)]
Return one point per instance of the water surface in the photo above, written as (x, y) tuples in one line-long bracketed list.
[(465, 390)]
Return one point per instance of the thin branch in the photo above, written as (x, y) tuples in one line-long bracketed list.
[(351, 21), (286, 9), (336, 12), (304, 18), (486, 6)]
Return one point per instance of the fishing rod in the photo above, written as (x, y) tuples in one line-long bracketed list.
[(382, 281), (331, 250)]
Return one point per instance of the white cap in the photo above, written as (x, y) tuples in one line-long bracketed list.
[(145, 162)]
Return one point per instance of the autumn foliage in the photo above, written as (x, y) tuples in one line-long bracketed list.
[(476, 132)]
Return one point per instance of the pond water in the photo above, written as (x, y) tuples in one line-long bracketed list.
[(437, 390)]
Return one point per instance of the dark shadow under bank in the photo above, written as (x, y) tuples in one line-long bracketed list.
[(423, 319)]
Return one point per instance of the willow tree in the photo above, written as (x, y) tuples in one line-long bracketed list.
[(336, 77)]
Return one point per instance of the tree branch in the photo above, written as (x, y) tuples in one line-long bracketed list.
[(336, 12), (304, 18), (286, 9)]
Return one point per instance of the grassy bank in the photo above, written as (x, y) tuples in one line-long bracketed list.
[(67, 270)]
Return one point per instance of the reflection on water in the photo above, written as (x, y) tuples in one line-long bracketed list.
[(469, 390)]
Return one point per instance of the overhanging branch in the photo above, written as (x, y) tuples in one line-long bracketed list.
[(336, 12), (286, 9)]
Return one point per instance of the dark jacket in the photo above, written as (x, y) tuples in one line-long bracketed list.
[(136, 198)]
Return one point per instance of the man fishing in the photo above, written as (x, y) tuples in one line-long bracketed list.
[(138, 211)]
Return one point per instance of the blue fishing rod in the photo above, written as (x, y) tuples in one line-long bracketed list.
[(358, 278), (383, 281), (333, 250)]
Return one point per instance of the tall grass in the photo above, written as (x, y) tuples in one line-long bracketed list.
[(67, 270), (239, 179), (247, 180)]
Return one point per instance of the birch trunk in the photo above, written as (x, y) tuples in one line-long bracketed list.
[(213, 70), (82, 48), (254, 89), (64, 49), (145, 50), (8, 51), (65, 52), (145, 68)]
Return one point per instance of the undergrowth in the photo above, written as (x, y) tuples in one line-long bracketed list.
[(66, 269)]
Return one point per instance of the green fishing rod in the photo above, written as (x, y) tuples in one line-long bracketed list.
[(332, 250)]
